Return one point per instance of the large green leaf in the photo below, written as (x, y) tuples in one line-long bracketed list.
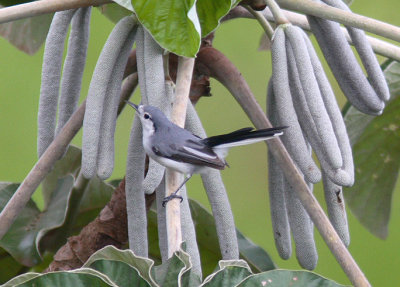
[(210, 13), (9, 266), (173, 24), (68, 165), (377, 159), (141, 265), (77, 278), (278, 278), (229, 273), (27, 35), (22, 240)]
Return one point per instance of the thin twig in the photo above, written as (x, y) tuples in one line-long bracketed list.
[(37, 8), (219, 67), (261, 19), (173, 179), (344, 17), (280, 18)]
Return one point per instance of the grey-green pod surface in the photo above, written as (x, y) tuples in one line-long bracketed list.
[(286, 114), (51, 74), (97, 93), (105, 157), (345, 67), (367, 56), (277, 203), (135, 198), (74, 66)]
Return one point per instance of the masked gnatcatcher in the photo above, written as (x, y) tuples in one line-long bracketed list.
[(179, 149)]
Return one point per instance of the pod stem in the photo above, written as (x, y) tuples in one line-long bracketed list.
[(280, 18), (262, 20)]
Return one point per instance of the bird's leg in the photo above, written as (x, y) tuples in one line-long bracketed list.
[(174, 194)]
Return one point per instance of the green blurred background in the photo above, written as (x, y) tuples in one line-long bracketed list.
[(246, 180)]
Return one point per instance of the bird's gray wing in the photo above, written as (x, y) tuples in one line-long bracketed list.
[(190, 151)]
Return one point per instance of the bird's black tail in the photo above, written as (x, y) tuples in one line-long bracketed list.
[(242, 137)]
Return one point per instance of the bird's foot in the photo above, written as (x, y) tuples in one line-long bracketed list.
[(170, 197)]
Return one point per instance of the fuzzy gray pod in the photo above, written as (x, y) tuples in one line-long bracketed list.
[(217, 196), (334, 113), (98, 88), (135, 198), (345, 67), (162, 221), (286, 115), (51, 74), (308, 101), (279, 218), (105, 157), (74, 66), (366, 53), (336, 208)]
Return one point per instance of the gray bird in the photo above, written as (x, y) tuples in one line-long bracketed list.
[(181, 150)]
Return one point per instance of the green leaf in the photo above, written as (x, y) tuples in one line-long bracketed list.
[(255, 256), (278, 278), (173, 24), (9, 266), (141, 264), (230, 273), (68, 165), (12, 2), (176, 271), (29, 34), (210, 13), (114, 12), (78, 278), (22, 240), (377, 159)]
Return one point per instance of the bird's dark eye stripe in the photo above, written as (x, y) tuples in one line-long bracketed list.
[(146, 116)]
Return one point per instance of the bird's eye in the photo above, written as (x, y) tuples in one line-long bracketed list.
[(146, 116)]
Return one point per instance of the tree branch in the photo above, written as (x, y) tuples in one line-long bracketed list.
[(344, 17), (37, 8), (219, 67), (173, 178)]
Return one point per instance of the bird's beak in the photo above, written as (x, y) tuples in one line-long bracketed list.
[(133, 105)]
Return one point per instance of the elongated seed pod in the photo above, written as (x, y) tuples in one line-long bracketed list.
[(279, 218), (189, 234), (140, 50), (162, 221), (102, 74), (156, 171), (217, 196), (334, 113), (336, 208), (368, 58), (74, 66), (306, 95), (105, 157), (293, 136), (51, 73), (345, 67), (135, 198), (302, 229)]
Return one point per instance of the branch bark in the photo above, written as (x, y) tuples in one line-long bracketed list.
[(218, 66), (37, 8)]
